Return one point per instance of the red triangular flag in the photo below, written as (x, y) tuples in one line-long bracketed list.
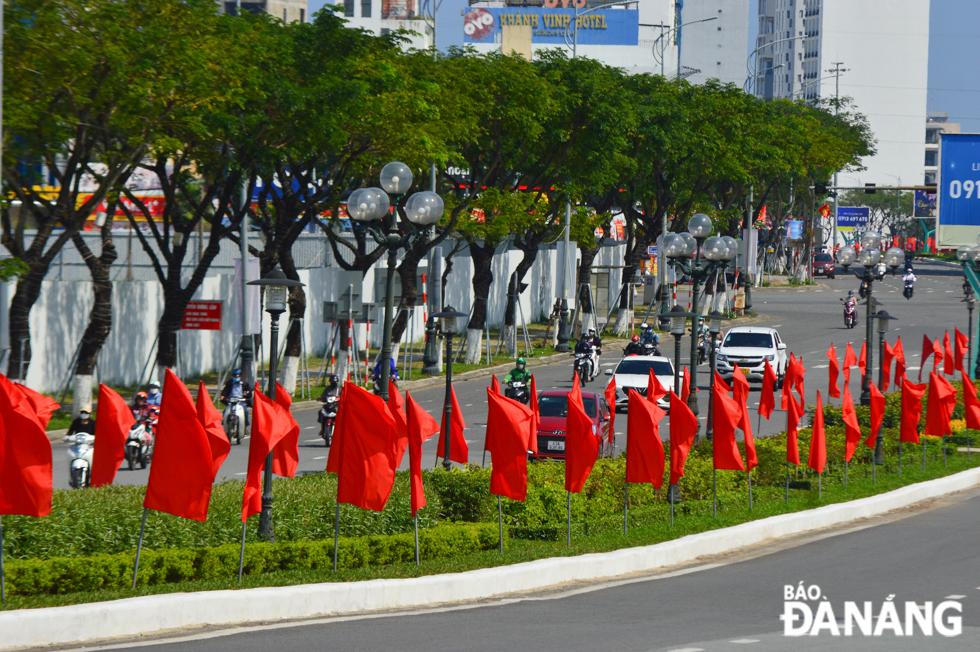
[(532, 443), (43, 405), (962, 350), (396, 405), (459, 452), (366, 458), (725, 420), (849, 361), (270, 424), (721, 385), (182, 472), (644, 449), (685, 385), (899, 361), (877, 415), (509, 420), (494, 385), (937, 354), (886, 366), (210, 418), (863, 361), (420, 426), (911, 411), (818, 440), (683, 429), (610, 395), (285, 455), (949, 363), (927, 350), (26, 476), (581, 446), (740, 390), (767, 400), (971, 406), (793, 416), (576, 392), (111, 432), (834, 389), (852, 431), (655, 389), (941, 401)]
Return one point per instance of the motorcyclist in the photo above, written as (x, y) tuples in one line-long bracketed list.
[(649, 335), (332, 389), (596, 343), (392, 369), (909, 279), (850, 299), (140, 408), (83, 424), (635, 347), (519, 373), (235, 388), (153, 395)]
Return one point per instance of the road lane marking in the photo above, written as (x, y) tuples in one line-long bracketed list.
[(320, 457), (954, 597), (309, 428), (745, 640), (312, 441)]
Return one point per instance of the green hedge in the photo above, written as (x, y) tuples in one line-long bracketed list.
[(70, 575)]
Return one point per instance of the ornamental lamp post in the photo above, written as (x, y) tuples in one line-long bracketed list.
[(447, 320), (678, 324), (968, 254), (276, 287)]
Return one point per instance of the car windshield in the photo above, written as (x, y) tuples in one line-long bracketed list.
[(557, 406), (643, 367), (823, 258), (749, 340)]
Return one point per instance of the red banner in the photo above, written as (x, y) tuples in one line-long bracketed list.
[(202, 316)]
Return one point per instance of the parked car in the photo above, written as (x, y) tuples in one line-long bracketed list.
[(823, 265), (633, 372), (749, 347), (553, 407)]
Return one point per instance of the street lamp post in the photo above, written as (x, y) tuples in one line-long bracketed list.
[(678, 321), (969, 256), (367, 205), (276, 301), (447, 324)]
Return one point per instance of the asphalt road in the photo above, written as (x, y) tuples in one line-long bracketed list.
[(808, 320), (733, 602)]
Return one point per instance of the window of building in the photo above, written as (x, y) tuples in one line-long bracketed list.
[(719, 29), (285, 16), (302, 15), (365, 8), (931, 158), (348, 8), (930, 179)]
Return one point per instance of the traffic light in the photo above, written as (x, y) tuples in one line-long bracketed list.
[(820, 188), (869, 189)]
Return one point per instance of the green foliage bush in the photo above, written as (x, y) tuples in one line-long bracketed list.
[(69, 575)]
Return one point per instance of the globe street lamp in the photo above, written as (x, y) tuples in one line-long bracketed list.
[(697, 242), (883, 319), (969, 256), (368, 205), (868, 258), (447, 324), (276, 287)]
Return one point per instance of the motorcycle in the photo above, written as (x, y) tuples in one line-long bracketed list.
[(80, 459), (328, 417), (850, 314), (907, 292), (234, 419), (863, 290), (139, 445), (702, 349), (649, 348), (583, 366), (518, 391), (377, 382)]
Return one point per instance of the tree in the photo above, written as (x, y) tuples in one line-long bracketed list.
[(890, 211)]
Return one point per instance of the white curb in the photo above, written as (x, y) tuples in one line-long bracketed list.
[(133, 617)]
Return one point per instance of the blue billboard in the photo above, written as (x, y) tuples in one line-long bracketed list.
[(548, 26), (852, 217), (794, 229), (959, 189)]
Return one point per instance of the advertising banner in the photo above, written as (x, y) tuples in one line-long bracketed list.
[(925, 204), (853, 217), (202, 316), (794, 229), (548, 26), (398, 9), (958, 208)]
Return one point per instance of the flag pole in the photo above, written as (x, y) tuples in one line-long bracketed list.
[(500, 524), (241, 554), (750, 490), (787, 483), (3, 586), (819, 485), (336, 531), (484, 463), (925, 440), (874, 468), (714, 492), (626, 499), (670, 494), (944, 451), (846, 464), (569, 519), (416, 519), (900, 456), (139, 547)]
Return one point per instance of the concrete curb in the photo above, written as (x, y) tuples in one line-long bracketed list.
[(133, 617)]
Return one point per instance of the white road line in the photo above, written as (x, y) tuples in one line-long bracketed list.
[(320, 457), (688, 649), (310, 428), (745, 640), (312, 441), (819, 366), (954, 597), (242, 473)]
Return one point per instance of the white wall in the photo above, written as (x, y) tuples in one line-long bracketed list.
[(717, 53)]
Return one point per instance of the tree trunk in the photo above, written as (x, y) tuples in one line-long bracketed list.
[(586, 309), (482, 279), (28, 290), (407, 274), (293, 350)]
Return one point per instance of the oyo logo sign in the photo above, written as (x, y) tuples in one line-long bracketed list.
[(478, 24), (566, 4)]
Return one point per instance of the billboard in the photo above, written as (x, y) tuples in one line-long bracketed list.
[(852, 217), (398, 9), (794, 229), (925, 204), (548, 26), (958, 208)]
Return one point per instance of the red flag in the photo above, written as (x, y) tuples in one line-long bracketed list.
[(685, 385), (927, 350), (683, 429), (899, 361), (971, 406), (767, 401), (581, 446), (459, 452), (863, 361), (911, 411), (886, 366), (962, 350), (210, 419), (793, 416), (285, 455), (576, 392), (495, 385), (43, 405), (941, 401), (725, 419), (366, 459), (396, 405), (26, 479), (824, 211), (877, 415), (740, 387), (270, 424), (849, 361), (532, 443), (798, 382), (721, 385), (182, 472), (510, 422), (793, 378), (644, 449), (949, 363), (852, 431), (937, 354), (420, 427), (834, 389), (818, 440), (111, 432), (655, 390)]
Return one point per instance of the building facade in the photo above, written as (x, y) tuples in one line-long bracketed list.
[(288, 10), (713, 39), (936, 125), (386, 16)]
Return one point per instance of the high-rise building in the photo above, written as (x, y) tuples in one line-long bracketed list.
[(877, 54), (936, 125), (385, 16), (288, 10), (713, 38)]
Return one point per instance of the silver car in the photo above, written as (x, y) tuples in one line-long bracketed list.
[(749, 347)]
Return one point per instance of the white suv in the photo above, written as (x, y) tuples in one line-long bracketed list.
[(749, 347)]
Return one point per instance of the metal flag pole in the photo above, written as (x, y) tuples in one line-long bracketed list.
[(626, 498), (241, 554), (670, 496), (139, 548), (714, 492), (336, 531), (874, 469), (925, 441), (900, 456), (846, 464), (819, 485), (944, 451), (569, 519), (750, 490), (500, 524), (787, 477), (416, 519), (3, 586)]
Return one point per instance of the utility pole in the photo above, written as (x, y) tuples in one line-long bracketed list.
[(836, 72)]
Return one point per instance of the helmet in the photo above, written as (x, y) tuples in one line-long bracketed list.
[(153, 384), (87, 407), (140, 395), (236, 372), (636, 338), (850, 293), (155, 410), (644, 325), (334, 379), (521, 363), (591, 331)]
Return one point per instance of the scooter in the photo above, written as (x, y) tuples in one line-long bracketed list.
[(649, 348), (517, 391), (583, 366), (234, 419), (863, 290), (850, 314), (139, 445), (328, 417), (907, 292), (377, 381), (80, 459)]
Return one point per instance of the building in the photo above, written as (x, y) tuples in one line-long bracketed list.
[(713, 39), (877, 56), (289, 10), (936, 124), (385, 16)]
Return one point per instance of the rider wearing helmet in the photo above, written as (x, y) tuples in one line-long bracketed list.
[(140, 408), (332, 388), (635, 347), (519, 373), (649, 336), (850, 298), (235, 388), (153, 395)]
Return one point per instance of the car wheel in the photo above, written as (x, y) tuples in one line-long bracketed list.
[(779, 382), (831, 277)]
